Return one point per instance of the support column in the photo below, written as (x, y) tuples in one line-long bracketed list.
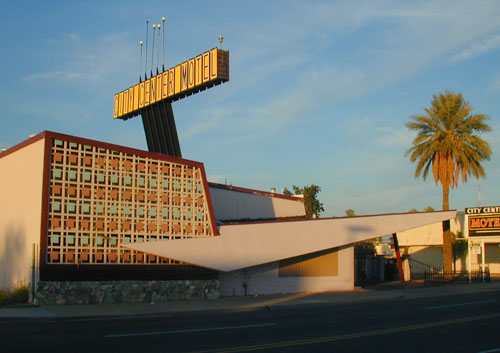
[(483, 259), (159, 127), (398, 256)]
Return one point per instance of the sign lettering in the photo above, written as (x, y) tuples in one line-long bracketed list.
[(488, 225), (206, 70), (482, 210)]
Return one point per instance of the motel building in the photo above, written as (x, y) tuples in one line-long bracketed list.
[(482, 231), (84, 221), (80, 217), (479, 227)]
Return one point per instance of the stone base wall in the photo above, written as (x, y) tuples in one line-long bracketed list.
[(98, 292)]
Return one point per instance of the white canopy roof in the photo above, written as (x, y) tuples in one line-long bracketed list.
[(244, 245)]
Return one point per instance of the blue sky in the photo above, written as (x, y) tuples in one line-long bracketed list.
[(319, 91)]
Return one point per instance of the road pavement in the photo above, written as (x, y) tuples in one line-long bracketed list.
[(388, 318)]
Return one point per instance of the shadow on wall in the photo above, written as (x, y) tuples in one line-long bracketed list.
[(14, 262), (361, 229)]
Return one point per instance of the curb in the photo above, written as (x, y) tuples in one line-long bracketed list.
[(355, 297)]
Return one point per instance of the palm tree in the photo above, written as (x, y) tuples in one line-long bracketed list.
[(447, 143)]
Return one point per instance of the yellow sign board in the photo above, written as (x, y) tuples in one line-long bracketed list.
[(484, 225), (206, 70)]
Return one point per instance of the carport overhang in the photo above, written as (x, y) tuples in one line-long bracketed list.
[(242, 245)]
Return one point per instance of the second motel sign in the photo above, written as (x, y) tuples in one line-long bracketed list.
[(484, 221)]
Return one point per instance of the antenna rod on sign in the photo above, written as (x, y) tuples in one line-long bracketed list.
[(147, 36), (158, 57), (163, 63), (221, 39), (153, 49), (481, 201), (140, 66)]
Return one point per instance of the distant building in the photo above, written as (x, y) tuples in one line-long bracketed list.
[(425, 244), (482, 231), (479, 230)]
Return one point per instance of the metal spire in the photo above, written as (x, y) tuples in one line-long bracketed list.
[(163, 63)]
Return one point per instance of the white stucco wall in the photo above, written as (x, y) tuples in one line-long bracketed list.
[(21, 174), (425, 244), (429, 235), (232, 205), (429, 255), (264, 279)]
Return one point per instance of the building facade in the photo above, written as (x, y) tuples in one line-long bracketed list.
[(482, 231), (81, 211)]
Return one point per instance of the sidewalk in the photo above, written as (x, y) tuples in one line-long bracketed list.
[(375, 293)]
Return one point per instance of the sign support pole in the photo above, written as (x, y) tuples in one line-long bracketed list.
[(469, 260), (483, 259)]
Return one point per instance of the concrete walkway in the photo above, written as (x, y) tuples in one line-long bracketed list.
[(373, 293)]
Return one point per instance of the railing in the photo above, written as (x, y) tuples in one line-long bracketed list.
[(122, 272), (368, 268), (419, 269), (441, 278)]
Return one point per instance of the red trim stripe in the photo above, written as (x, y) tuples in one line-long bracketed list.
[(44, 229), (324, 219), (22, 144)]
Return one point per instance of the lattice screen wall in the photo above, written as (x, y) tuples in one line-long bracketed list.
[(100, 199)]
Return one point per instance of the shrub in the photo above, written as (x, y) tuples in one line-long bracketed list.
[(3, 297), (18, 295)]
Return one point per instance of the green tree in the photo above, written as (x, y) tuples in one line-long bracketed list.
[(311, 203), (412, 210), (459, 245), (447, 143), (350, 212), (429, 209)]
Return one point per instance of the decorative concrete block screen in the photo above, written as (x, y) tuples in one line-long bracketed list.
[(100, 198)]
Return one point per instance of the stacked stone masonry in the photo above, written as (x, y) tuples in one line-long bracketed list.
[(109, 292)]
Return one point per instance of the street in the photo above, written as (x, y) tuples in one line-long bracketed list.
[(459, 323)]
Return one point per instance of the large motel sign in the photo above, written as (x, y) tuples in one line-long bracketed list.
[(152, 98)]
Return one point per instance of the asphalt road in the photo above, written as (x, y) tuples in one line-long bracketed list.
[(460, 323)]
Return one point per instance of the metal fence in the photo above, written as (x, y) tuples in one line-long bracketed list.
[(441, 278), (369, 268), (419, 269)]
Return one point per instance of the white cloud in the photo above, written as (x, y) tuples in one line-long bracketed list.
[(209, 121), (88, 61), (293, 106), (393, 137), (292, 46), (478, 48)]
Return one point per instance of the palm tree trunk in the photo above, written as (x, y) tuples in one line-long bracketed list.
[(446, 194), (447, 248)]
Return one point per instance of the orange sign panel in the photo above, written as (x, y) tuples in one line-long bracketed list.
[(204, 71)]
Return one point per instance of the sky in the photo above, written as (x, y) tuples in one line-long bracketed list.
[(319, 91)]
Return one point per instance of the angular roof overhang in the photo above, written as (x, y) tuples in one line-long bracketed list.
[(244, 245)]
